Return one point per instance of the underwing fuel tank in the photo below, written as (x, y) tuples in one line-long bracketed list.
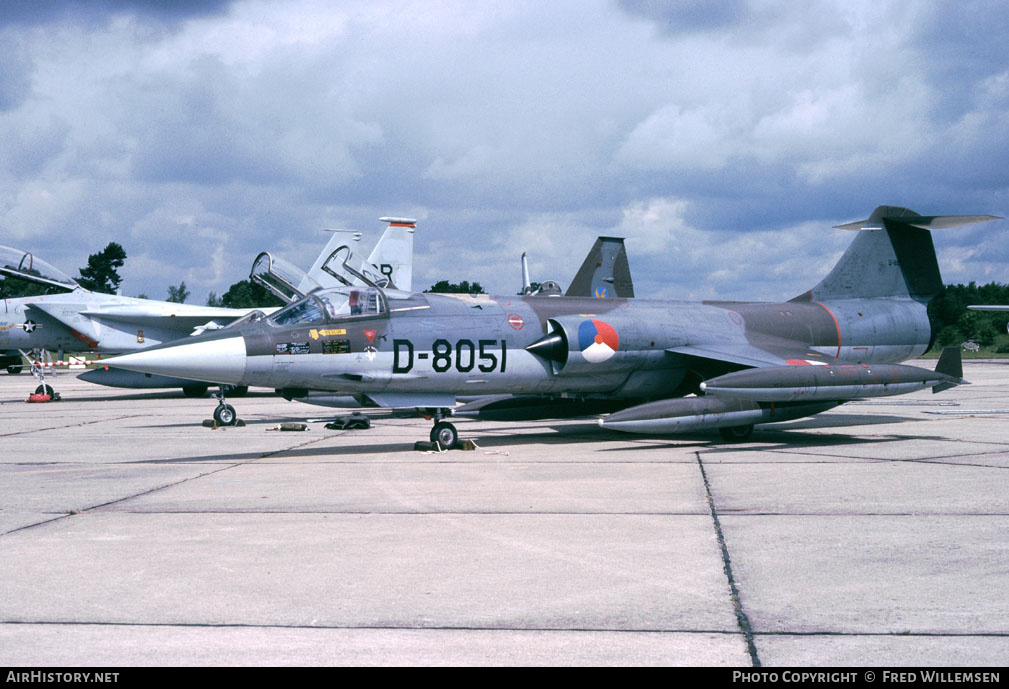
[(830, 382), (687, 414)]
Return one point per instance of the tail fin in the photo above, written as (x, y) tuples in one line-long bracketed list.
[(893, 256), (605, 273), (390, 263), (392, 256), (950, 364)]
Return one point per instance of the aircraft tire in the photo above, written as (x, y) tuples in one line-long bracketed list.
[(225, 415), (14, 369), (445, 435), (736, 434), (45, 389), (194, 390)]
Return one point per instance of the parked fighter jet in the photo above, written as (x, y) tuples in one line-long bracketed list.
[(390, 263), (759, 362), (604, 274), (79, 319)]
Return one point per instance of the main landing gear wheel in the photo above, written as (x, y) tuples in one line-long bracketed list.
[(14, 369), (736, 434), (445, 435), (225, 415), (237, 390)]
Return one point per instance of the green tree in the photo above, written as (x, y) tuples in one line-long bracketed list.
[(12, 287), (249, 295), (102, 272), (464, 287), (213, 299), (178, 295)]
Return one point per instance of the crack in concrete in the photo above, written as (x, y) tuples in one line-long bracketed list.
[(737, 605)]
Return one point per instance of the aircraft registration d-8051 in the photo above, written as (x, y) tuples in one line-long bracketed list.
[(656, 366)]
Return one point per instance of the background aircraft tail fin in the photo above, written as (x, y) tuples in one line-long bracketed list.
[(392, 256), (893, 257), (605, 273)]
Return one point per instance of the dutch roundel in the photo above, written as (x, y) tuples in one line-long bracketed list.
[(597, 340)]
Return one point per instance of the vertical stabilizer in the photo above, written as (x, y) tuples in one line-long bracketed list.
[(605, 273), (892, 256)]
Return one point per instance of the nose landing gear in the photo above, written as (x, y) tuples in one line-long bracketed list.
[(225, 414)]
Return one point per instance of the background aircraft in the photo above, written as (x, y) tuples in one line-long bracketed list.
[(390, 262), (77, 319), (604, 274), (839, 341)]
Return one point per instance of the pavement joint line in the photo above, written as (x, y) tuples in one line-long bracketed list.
[(368, 627), (456, 513), (76, 425), (864, 460), (83, 510), (968, 635), (286, 449), (448, 628), (742, 620)]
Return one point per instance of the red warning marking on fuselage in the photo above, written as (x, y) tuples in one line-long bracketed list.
[(516, 321)]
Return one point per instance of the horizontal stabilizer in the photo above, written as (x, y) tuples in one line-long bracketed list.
[(904, 216), (896, 261)]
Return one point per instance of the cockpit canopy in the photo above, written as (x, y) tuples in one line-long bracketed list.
[(24, 265), (334, 304)]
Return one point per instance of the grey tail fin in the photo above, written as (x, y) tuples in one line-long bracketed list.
[(893, 256), (605, 272), (950, 364)]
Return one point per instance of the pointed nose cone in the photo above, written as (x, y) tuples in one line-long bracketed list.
[(218, 360), (551, 346)]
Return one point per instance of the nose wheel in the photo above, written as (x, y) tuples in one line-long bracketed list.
[(445, 434), (225, 414)]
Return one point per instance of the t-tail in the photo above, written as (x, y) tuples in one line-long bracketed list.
[(892, 256)]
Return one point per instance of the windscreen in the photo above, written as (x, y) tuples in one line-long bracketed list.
[(18, 263), (334, 304)]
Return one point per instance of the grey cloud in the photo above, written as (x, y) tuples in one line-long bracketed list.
[(533, 131), (97, 12), (687, 16)]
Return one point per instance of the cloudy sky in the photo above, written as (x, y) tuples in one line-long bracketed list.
[(724, 143)]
